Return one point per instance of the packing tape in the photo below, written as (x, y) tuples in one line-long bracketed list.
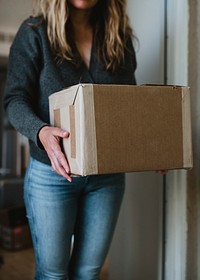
[(72, 130), (57, 121)]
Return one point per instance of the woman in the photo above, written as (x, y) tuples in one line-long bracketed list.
[(67, 42)]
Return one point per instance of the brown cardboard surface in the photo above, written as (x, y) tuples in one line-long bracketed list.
[(140, 129), (118, 128)]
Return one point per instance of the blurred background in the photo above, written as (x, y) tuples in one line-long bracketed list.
[(157, 235)]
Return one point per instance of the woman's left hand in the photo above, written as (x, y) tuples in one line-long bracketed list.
[(50, 139)]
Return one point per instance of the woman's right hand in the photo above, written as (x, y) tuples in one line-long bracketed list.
[(50, 138)]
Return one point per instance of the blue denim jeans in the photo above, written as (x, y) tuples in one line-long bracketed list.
[(86, 209)]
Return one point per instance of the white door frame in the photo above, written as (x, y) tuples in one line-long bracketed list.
[(176, 198)]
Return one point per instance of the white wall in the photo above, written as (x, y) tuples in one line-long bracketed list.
[(12, 13), (147, 20), (136, 248)]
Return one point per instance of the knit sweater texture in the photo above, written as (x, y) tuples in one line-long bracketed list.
[(34, 74)]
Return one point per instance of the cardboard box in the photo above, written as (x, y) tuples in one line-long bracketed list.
[(124, 128), (14, 229)]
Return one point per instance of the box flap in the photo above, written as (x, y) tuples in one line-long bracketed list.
[(90, 163), (187, 129)]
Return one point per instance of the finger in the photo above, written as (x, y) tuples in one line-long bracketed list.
[(60, 165), (60, 157), (60, 133), (56, 167), (62, 172), (64, 163), (163, 172)]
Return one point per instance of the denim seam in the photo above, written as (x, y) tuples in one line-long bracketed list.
[(33, 222)]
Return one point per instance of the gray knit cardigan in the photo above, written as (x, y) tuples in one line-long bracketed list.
[(34, 74)]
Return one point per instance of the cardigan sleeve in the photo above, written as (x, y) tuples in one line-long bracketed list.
[(22, 84)]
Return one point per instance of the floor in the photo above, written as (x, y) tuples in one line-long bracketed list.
[(17, 265), (20, 265)]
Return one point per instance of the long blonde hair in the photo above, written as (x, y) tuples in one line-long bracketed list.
[(111, 29)]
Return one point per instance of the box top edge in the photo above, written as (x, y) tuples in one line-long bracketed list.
[(63, 91)]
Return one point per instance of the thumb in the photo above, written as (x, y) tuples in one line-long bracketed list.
[(61, 133)]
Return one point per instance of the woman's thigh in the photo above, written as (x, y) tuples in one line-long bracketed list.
[(51, 203), (97, 216)]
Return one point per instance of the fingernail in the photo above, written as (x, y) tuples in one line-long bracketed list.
[(67, 171)]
